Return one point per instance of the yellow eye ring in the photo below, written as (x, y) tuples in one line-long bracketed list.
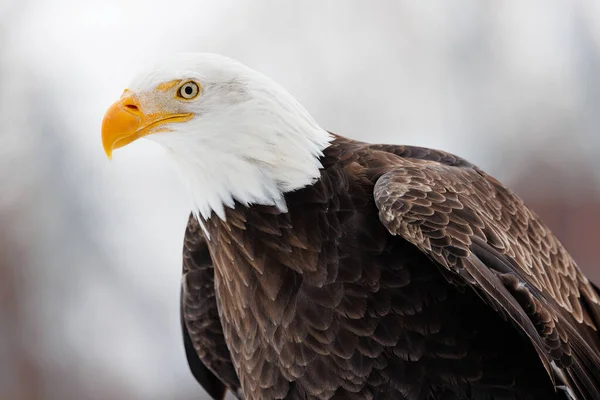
[(188, 90)]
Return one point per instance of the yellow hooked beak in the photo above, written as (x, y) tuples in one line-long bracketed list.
[(125, 122)]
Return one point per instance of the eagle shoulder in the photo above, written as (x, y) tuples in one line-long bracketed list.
[(481, 232)]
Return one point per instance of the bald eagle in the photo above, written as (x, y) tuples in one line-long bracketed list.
[(320, 267)]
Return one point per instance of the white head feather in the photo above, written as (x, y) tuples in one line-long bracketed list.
[(249, 140)]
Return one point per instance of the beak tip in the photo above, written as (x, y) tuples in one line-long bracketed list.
[(108, 151)]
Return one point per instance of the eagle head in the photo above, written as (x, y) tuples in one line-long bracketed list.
[(234, 134)]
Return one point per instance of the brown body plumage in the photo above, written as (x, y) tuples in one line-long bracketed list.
[(402, 273)]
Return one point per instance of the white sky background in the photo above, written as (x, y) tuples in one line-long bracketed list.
[(484, 81)]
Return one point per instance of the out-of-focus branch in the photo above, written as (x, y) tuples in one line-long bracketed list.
[(20, 363)]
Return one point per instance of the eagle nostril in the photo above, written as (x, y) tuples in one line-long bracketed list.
[(132, 108)]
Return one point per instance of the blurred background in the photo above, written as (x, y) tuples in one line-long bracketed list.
[(90, 250)]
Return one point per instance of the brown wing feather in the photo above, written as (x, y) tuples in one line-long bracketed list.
[(473, 226), (206, 349)]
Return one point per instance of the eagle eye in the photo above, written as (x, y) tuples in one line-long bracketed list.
[(188, 90)]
